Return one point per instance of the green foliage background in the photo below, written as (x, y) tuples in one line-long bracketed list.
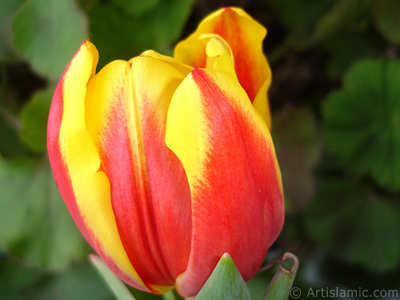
[(335, 100)]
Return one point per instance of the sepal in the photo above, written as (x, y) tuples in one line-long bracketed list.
[(225, 282), (280, 286)]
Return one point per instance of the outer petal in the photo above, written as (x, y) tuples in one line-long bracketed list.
[(244, 36), (75, 163), (227, 152), (127, 105)]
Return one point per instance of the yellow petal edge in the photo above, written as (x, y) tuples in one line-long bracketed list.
[(91, 186)]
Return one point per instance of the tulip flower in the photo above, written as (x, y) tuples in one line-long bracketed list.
[(165, 167), (244, 35)]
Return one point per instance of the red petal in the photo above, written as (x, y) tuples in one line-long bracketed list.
[(228, 156), (149, 189)]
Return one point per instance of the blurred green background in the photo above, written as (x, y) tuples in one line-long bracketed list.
[(335, 101)]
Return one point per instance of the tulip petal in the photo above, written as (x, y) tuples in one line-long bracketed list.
[(244, 36), (75, 163), (219, 54), (228, 155), (127, 106)]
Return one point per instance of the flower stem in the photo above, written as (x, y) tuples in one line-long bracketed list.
[(169, 296), (114, 283)]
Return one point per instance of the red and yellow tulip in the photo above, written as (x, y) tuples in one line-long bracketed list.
[(164, 164), (244, 36)]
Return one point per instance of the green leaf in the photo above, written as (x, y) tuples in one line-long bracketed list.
[(362, 121), (34, 222), (299, 16), (34, 120), (346, 47), (348, 15), (14, 276), (10, 127), (281, 283), (120, 36), (298, 149), (47, 33), (386, 16), (79, 282), (225, 282), (7, 11), (114, 283), (257, 285), (356, 225), (135, 7)]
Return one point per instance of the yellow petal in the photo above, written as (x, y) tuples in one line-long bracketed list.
[(90, 186)]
